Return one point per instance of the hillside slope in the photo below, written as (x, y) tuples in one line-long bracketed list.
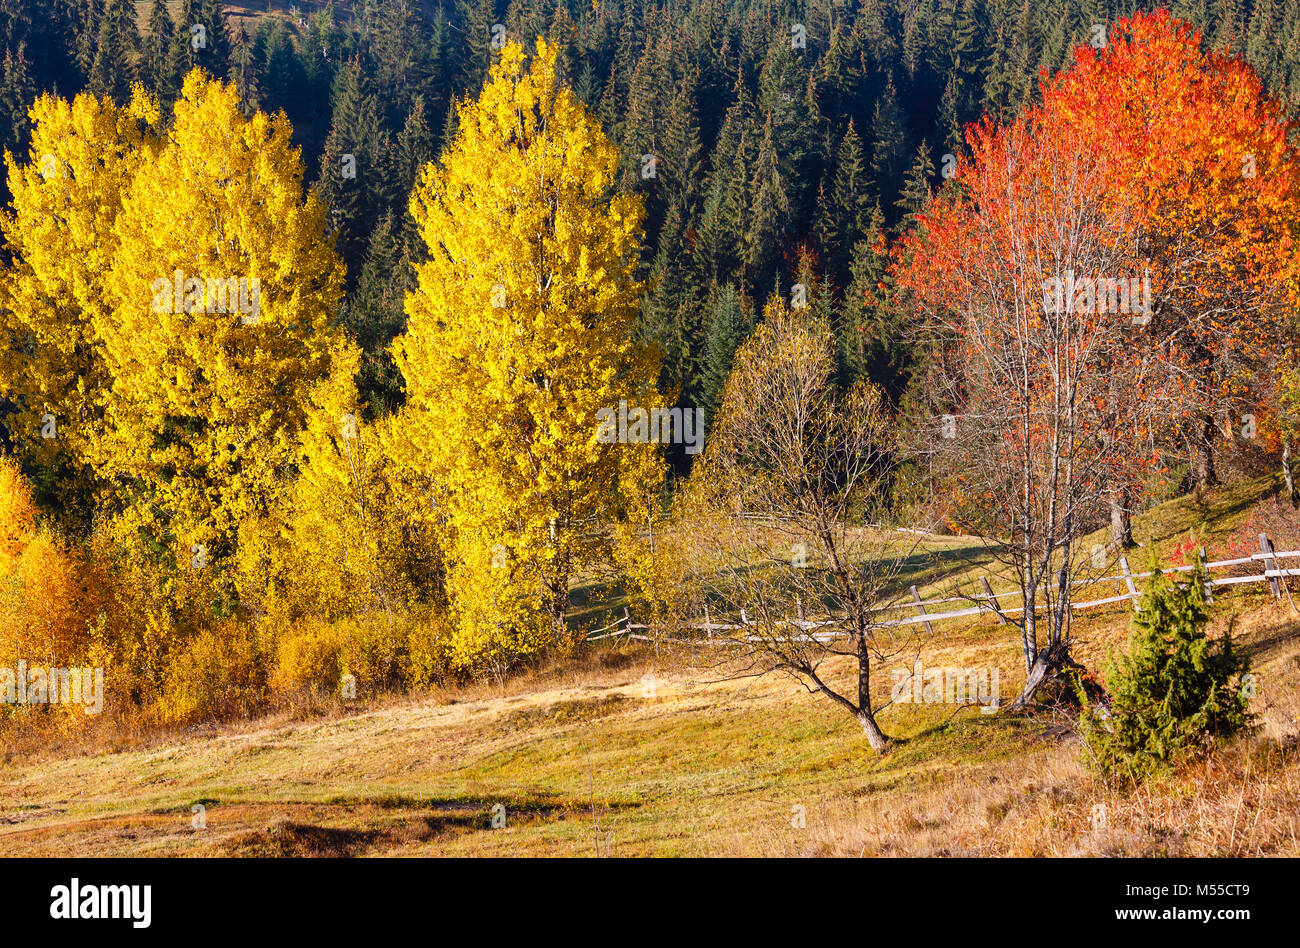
[(632, 753)]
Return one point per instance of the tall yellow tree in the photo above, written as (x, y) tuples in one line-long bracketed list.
[(222, 293), (338, 541), (519, 332), (60, 239)]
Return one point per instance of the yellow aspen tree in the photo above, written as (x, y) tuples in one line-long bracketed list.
[(519, 333), (222, 294), (59, 236), (338, 532)]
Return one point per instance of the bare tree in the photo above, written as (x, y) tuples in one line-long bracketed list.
[(1046, 391), (772, 512)]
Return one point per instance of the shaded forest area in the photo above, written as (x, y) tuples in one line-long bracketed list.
[(774, 143)]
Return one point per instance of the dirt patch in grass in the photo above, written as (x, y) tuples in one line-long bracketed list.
[(287, 838), (275, 830), (333, 831)]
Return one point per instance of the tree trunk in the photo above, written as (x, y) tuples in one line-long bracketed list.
[(558, 586), (1287, 474), (875, 737), (555, 594), (559, 612), (1029, 618), (1203, 455), (1049, 662), (1121, 520)]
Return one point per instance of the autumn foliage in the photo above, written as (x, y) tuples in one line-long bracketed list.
[(199, 497), (230, 522), (520, 330), (1101, 278), (51, 594), (1204, 162)]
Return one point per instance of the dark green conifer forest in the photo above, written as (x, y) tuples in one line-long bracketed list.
[(774, 141)]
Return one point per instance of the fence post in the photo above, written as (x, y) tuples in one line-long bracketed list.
[(920, 608), (708, 629), (744, 619), (1128, 580), (798, 604), (1270, 564), (993, 600), (1209, 580)]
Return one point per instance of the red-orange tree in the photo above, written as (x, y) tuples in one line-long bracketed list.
[(1150, 156), (1052, 403), (1201, 157)]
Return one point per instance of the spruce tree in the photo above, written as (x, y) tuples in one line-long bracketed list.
[(786, 100), (375, 315), (280, 73), (587, 87), (17, 22), (155, 66), (950, 119), (727, 197), (473, 45), (1174, 690), (243, 71), (678, 172), (869, 330), (113, 69), (525, 20), (769, 209), (962, 41), (87, 17), (400, 52), (916, 184), (609, 109), (356, 171), (321, 48), (889, 141), (415, 146), (846, 210), (450, 122), (200, 40), (17, 90), (215, 57), (729, 318)]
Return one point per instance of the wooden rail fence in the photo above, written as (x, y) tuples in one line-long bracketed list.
[(987, 601)]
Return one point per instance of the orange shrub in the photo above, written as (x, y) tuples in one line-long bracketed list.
[(219, 674), (17, 512), (309, 658), (50, 594)]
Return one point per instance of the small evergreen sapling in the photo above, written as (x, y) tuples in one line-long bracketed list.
[(1175, 689)]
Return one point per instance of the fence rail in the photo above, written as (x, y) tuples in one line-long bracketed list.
[(985, 602)]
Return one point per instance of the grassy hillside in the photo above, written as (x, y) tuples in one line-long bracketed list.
[(624, 752)]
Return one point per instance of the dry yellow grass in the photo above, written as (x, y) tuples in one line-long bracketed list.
[(624, 752), (650, 756)]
